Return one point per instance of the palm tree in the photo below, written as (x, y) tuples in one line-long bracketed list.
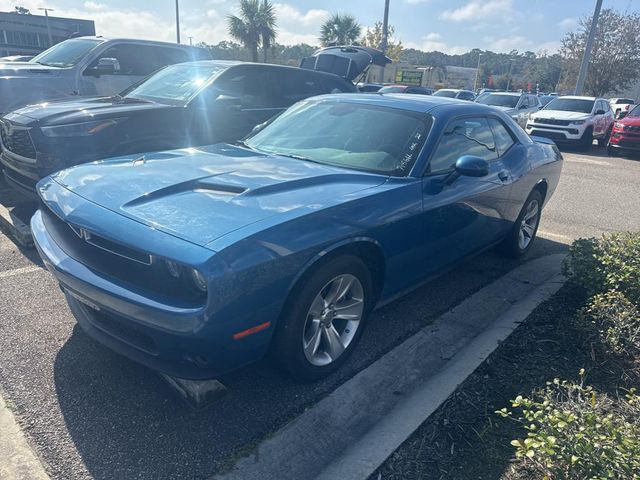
[(340, 29), (254, 26)]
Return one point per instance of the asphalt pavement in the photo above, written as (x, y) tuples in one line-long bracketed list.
[(92, 414)]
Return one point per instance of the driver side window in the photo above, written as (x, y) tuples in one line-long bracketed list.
[(463, 136)]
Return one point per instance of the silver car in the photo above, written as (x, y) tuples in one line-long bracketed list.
[(519, 105)]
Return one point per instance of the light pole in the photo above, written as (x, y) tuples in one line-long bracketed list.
[(475, 82), (46, 14), (385, 28), (177, 22), (191, 41), (509, 75), (584, 67)]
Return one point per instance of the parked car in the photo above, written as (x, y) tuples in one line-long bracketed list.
[(625, 135), (621, 106), (195, 262), (87, 66), (518, 105), (369, 87), (573, 120), (182, 105), (406, 89), (455, 93)]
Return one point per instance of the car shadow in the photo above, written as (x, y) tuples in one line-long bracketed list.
[(126, 422)]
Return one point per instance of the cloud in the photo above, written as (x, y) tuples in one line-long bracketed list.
[(431, 43), (478, 9), (415, 2), (568, 23), (295, 26), (506, 44)]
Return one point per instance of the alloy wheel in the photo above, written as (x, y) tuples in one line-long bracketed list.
[(333, 319), (529, 224)]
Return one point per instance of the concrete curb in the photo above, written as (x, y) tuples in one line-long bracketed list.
[(17, 460), (349, 433)]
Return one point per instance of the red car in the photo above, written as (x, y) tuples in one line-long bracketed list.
[(625, 134)]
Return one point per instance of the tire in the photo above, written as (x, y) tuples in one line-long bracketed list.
[(304, 343), (603, 142), (514, 245), (612, 152), (587, 139)]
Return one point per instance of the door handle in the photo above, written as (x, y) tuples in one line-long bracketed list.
[(503, 176)]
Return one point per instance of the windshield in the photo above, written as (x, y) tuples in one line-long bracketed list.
[(176, 84), (351, 135), (445, 93), (66, 54), (392, 89), (499, 100), (635, 112), (570, 105), (546, 99)]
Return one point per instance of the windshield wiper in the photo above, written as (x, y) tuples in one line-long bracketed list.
[(297, 157)]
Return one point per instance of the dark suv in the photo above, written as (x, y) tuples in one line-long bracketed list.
[(182, 105)]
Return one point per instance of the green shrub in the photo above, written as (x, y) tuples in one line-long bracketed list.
[(575, 433), (611, 262), (615, 320)]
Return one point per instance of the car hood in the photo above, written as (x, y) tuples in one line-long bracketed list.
[(200, 195), (79, 110), (22, 69), (562, 115), (507, 110), (630, 121), (346, 61)]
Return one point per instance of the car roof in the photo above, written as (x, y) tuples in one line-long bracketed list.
[(578, 97), (410, 102), (236, 63), (140, 41)]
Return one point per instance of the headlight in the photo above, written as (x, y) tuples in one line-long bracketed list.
[(577, 122), (198, 280), (85, 129), (619, 125), (187, 274)]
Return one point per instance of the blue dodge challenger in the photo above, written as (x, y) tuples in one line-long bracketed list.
[(198, 261)]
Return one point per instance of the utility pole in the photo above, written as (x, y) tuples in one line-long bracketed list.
[(475, 82), (584, 67), (46, 14), (385, 28), (509, 75), (177, 22)]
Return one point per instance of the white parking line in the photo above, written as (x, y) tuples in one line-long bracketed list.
[(20, 271), (588, 161)]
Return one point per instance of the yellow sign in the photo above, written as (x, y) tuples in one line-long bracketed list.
[(409, 77)]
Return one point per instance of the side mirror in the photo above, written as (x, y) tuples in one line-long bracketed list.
[(106, 66), (468, 166), (600, 112)]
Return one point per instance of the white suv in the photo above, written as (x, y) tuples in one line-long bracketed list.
[(575, 120)]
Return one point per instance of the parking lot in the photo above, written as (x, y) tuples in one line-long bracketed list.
[(89, 413)]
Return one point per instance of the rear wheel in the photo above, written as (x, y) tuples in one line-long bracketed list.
[(324, 319), (520, 239)]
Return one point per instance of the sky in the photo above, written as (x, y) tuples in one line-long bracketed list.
[(450, 26)]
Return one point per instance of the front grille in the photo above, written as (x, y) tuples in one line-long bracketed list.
[(129, 267), (631, 128), (551, 121), (17, 140), (551, 135)]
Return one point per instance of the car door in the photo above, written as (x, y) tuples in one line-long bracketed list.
[(468, 214)]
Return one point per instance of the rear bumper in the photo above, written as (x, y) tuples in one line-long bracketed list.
[(182, 342)]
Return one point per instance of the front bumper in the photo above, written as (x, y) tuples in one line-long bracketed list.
[(624, 141), (182, 342), (559, 134)]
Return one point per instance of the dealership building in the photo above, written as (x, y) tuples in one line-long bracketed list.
[(26, 34)]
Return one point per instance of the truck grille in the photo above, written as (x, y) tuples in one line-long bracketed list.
[(551, 121), (17, 140), (632, 128)]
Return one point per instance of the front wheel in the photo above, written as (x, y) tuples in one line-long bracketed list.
[(520, 239), (324, 319)]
